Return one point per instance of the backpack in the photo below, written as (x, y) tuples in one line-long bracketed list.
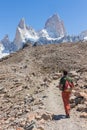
[(68, 85)]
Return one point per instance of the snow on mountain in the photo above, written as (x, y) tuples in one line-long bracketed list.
[(68, 38), (23, 34), (8, 45), (6, 42), (3, 52), (53, 31), (83, 36), (43, 33)]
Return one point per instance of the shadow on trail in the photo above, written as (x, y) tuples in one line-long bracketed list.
[(58, 117)]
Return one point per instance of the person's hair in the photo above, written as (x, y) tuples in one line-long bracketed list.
[(65, 72)]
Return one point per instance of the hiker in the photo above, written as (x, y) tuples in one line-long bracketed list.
[(66, 85)]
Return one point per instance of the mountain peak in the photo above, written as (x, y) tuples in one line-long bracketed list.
[(55, 27), (24, 34), (5, 39), (55, 17), (53, 32), (22, 23)]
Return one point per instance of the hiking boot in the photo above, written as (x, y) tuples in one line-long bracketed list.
[(68, 116)]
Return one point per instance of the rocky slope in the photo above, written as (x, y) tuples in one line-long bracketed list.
[(28, 93)]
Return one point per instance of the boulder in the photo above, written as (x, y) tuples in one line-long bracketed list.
[(19, 128), (83, 115), (82, 108), (46, 116)]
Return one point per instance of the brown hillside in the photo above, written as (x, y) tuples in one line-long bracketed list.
[(27, 85), (50, 58)]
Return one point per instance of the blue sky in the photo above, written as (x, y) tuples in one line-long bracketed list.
[(36, 12)]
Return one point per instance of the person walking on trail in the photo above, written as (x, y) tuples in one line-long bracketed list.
[(66, 85)]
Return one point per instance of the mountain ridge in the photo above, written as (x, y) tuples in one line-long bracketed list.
[(53, 32)]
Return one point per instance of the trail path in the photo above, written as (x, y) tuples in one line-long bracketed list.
[(54, 104)]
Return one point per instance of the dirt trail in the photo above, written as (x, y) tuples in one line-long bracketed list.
[(54, 99), (54, 104)]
